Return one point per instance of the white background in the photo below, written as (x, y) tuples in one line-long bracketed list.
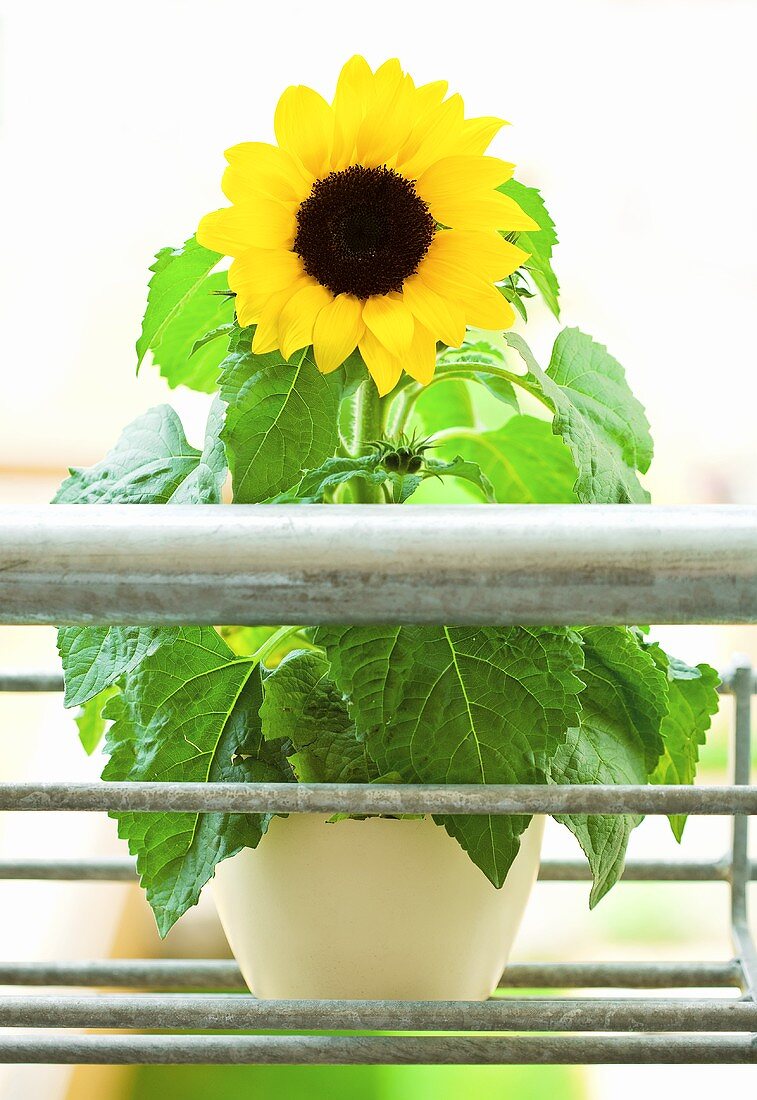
[(637, 119)]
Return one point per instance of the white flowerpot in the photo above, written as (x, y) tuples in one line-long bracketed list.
[(370, 909)]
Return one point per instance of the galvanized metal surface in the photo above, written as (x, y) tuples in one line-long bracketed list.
[(69, 870), (384, 798), (639, 870), (31, 680), (681, 1017), (221, 975), (138, 564), (232, 1012), (742, 762), (379, 1050), (550, 870), (625, 975)]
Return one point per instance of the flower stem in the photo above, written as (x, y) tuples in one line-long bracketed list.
[(367, 417), (367, 430)]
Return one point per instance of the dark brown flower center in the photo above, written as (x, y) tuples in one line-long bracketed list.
[(363, 231)]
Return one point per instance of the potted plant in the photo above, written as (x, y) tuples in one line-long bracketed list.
[(360, 350)]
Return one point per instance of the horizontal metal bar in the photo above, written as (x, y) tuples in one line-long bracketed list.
[(237, 1012), (223, 974), (377, 798), (30, 680), (153, 974), (52, 681), (138, 564), (378, 1050), (551, 870), (623, 975), (69, 870), (638, 870)]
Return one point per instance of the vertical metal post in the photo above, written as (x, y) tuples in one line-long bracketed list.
[(743, 687)]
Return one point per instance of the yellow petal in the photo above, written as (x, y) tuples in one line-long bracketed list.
[(420, 363), (429, 96), (304, 125), (477, 133), (390, 321), (353, 91), (456, 178), (385, 369), (261, 224), (484, 305), (388, 120), (432, 137), (487, 254), (495, 211), (261, 169), (444, 317), (336, 332), (298, 317), (489, 310), (250, 304), (264, 270), (266, 336)]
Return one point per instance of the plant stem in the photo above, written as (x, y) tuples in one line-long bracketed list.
[(271, 644), (469, 370), (398, 410), (367, 417), (367, 430)]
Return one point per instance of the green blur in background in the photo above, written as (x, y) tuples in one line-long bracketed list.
[(357, 1082)]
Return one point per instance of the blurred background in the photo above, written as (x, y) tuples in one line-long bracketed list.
[(636, 118)]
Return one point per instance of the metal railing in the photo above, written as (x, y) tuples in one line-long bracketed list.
[(494, 564)]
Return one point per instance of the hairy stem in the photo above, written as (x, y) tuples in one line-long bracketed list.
[(367, 427), (367, 430), (399, 409)]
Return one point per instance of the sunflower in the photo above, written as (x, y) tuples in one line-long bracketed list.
[(375, 223)]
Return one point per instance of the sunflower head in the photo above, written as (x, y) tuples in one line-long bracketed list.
[(375, 223)]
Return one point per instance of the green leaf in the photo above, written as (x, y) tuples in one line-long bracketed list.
[(538, 243), (465, 470), (618, 741), (303, 706), (692, 701), (523, 461), (152, 463), (195, 342), (444, 405), (461, 705), (90, 720), (515, 289), (182, 715), (204, 484), (596, 415), (337, 471), (281, 418), (94, 657), (403, 486), (181, 309), (227, 330)]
